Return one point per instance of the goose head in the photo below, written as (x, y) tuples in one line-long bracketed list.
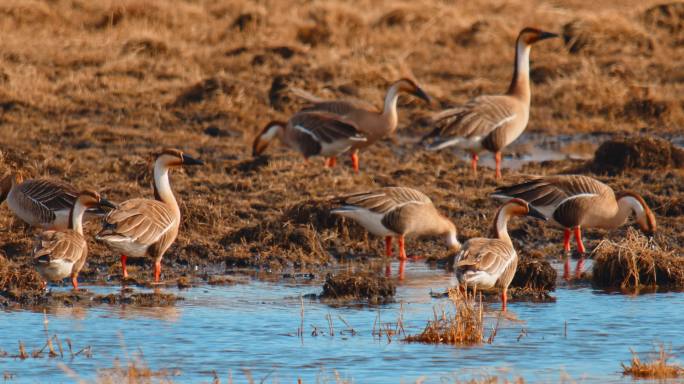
[(264, 138), (411, 87), (529, 36), (643, 214), (8, 181), (171, 158), (91, 199)]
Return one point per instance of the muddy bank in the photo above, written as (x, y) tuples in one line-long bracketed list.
[(358, 286)]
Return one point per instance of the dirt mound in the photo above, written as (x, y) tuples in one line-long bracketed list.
[(534, 274), (599, 36), (141, 299), (145, 47), (635, 262), (19, 283), (358, 286), (204, 90), (667, 17), (639, 152)]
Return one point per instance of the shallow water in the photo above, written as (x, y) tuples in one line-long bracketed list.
[(254, 326)]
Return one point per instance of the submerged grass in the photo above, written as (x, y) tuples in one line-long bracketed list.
[(636, 261), (464, 327), (658, 368)]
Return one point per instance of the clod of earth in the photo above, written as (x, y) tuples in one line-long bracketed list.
[(614, 156), (358, 286)]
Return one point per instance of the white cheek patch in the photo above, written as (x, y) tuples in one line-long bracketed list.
[(271, 132)]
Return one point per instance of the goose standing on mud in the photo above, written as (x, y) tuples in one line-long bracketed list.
[(491, 122), (398, 212), (373, 123), (41, 203), (312, 134), (576, 201), (486, 263), (62, 253), (146, 227)]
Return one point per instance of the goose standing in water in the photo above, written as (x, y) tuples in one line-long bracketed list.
[(41, 203), (491, 122), (576, 201), (146, 227), (372, 123), (62, 253), (486, 263), (398, 212)]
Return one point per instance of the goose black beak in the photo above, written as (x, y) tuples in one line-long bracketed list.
[(547, 35), (106, 203), (421, 94), (188, 160), (534, 212)]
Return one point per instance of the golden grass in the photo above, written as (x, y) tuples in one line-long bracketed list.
[(464, 327), (658, 368)]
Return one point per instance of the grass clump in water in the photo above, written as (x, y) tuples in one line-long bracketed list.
[(636, 261), (464, 327), (659, 368)]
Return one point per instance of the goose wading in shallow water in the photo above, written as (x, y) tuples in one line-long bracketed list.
[(61, 253), (398, 212), (576, 201), (491, 122), (41, 203), (486, 263), (372, 123), (146, 227), (312, 134)]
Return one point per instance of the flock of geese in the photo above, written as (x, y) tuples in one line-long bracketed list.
[(329, 128)]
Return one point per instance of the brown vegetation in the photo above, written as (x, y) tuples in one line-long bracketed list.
[(366, 286), (88, 90), (658, 368), (643, 152)]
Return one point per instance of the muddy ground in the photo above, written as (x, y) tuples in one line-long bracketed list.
[(88, 91)]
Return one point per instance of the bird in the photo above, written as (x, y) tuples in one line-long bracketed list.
[(573, 202), (490, 122), (310, 133), (61, 253), (487, 263), (146, 227), (41, 203), (397, 212), (372, 123)]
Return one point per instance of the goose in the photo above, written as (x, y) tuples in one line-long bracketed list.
[(397, 212), (486, 263), (575, 201), (62, 253), (491, 122), (41, 203), (146, 227), (310, 133), (372, 123)]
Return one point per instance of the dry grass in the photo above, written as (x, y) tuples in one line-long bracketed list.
[(88, 90), (637, 261), (658, 368), (464, 327)]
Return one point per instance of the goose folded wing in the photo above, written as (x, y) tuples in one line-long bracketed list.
[(387, 199), (488, 255), (341, 107), (140, 220), (63, 245)]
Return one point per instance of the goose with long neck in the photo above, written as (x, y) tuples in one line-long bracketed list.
[(41, 203), (62, 253), (372, 123), (486, 263), (145, 227), (398, 212), (490, 122), (573, 202)]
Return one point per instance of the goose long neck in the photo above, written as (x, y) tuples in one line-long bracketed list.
[(162, 187), (626, 205), (500, 227), (6, 185), (520, 84), (76, 216), (389, 111)]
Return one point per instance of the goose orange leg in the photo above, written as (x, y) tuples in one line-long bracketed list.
[(388, 246), (355, 161), (497, 158), (157, 270), (581, 249), (330, 162), (402, 251), (74, 282), (473, 162), (504, 299), (566, 248), (123, 266), (402, 268)]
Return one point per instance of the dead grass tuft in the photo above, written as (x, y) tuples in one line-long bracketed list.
[(464, 327), (658, 368), (636, 261)]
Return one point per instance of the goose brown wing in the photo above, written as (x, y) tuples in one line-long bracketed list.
[(341, 107), (42, 197), (385, 200), (143, 221), (477, 118), (488, 255), (314, 129), (65, 245)]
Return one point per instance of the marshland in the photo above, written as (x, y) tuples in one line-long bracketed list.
[(263, 283)]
